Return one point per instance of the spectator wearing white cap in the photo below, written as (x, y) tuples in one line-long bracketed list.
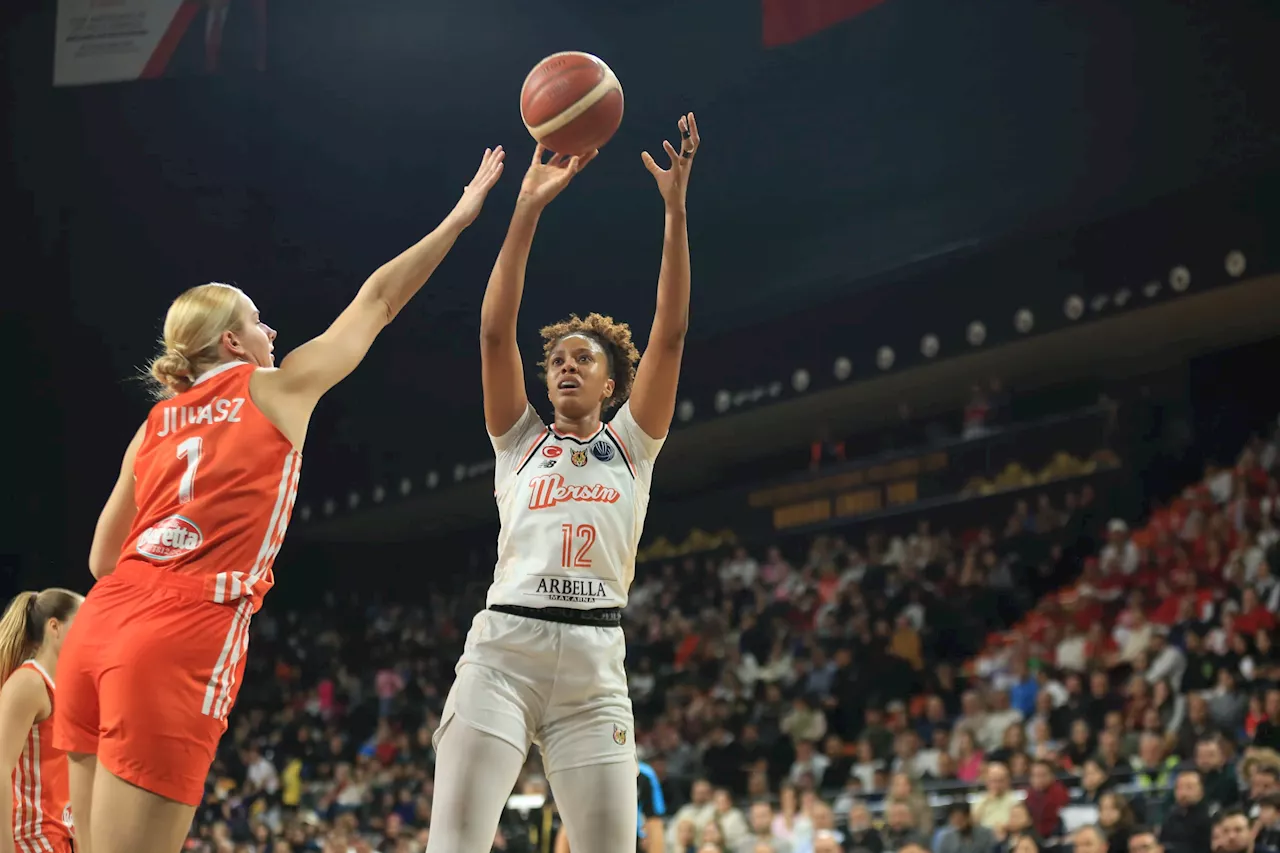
[(1120, 553)]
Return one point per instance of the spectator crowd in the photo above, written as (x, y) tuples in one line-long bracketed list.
[(1064, 680)]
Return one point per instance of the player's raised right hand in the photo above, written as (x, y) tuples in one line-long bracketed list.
[(545, 180)]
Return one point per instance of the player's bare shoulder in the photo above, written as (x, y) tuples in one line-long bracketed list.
[(289, 412)]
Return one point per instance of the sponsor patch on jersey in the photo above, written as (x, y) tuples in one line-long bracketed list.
[(578, 457), (547, 463), (619, 735), (170, 537), (602, 450), (552, 451), (571, 590)]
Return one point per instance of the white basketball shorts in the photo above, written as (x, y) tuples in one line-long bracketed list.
[(563, 687)]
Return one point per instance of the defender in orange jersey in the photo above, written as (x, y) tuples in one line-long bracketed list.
[(37, 797), (184, 547)]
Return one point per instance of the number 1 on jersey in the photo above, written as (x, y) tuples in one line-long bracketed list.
[(190, 449), (583, 536)]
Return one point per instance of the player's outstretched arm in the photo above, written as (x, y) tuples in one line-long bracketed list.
[(501, 370), (117, 515), (23, 700), (289, 394), (653, 397)]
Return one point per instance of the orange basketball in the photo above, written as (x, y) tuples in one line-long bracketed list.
[(571, 102)]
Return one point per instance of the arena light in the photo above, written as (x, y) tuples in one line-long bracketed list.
[(774, 389), (843, 368), (723, 401), (406, 486), (379, 494), (1024, 321), (459, 473), (329, 506), (1235, 264), (304, 512), (684, 411), (1152, 289), (353, 500), (1180, 279), (885, 357), (929, 346), (800, 380), (976, 334), (433, 479), (1099, 302), (1073, 307)]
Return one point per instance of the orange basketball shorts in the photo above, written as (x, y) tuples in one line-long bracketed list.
[(147, 676)]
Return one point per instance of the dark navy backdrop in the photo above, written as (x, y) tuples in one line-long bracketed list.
[(916, 130)]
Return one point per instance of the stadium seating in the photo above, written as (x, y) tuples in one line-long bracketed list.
[(1059, 669)]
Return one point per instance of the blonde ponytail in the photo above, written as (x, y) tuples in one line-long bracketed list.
[(15, 633), (172, 372), (193, 330), (22, 626)]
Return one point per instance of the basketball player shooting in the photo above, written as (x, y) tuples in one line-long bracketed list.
[(543, 663)]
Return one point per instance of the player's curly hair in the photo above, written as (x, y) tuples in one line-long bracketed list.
[(613, 337)]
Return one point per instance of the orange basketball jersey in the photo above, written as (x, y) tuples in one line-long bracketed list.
[(41, 795), (215, 485)]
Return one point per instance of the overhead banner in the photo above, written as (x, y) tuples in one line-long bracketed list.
[(790, 21), (101, 41)]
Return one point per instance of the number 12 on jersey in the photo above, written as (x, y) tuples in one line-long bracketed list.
[(575, 548)]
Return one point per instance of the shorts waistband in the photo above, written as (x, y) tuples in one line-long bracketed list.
[(145, 574), (607, 617)]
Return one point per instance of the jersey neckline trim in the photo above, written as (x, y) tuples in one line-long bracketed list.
[(214, 371), (40, 669), (575, 438)]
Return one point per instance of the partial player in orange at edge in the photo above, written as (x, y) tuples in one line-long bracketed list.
[(184, 547), (37, 796)]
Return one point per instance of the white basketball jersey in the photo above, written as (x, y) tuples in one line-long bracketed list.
[(572, 510)]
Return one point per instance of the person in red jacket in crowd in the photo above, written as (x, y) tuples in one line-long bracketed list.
[(1253, 617), (1045, 798)]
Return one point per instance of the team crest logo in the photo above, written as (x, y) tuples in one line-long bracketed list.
[(602, 450), (619, 735), (578, 458)]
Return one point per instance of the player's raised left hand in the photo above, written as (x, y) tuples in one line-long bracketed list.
[(473, 196), (674, 181)]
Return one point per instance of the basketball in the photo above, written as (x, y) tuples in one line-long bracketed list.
[(571, 102)]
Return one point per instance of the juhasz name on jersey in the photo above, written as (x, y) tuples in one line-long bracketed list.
[(174, 418), (550, 489), (575, 590)]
